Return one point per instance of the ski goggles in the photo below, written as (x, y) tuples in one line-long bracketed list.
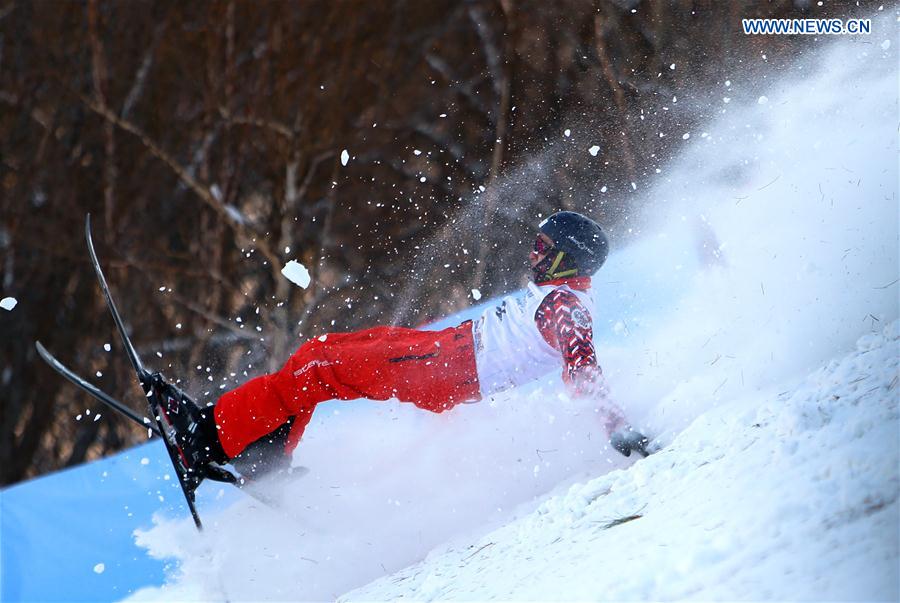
[(542, 247)]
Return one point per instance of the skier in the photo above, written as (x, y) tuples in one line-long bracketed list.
[(257, 426)]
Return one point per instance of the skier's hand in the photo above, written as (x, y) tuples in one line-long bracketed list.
[(629, 439)]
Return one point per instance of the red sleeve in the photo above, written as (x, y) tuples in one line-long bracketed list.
[(565, 324)]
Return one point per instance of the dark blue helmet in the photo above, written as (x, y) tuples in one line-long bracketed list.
[(580, 238)]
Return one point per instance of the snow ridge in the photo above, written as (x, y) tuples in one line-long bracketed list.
[(790, 495)]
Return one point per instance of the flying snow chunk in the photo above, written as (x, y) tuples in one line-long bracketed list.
[(297, 273), (99, 568), (886, 44), (476, 294), (594, 150), (417, 152), (686, 136), (8, 303), (568, 132), (107, 347), (762, 100), (672, 66), (345, 157)]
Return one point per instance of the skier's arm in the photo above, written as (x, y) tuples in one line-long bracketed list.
[(565, 324)]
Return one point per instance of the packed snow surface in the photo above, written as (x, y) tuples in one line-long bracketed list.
[(729, 327), (778, 496)]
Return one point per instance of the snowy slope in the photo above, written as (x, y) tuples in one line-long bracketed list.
[(777, 496), (797, 192)]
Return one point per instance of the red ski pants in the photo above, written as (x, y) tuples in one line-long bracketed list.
[(435, 370)]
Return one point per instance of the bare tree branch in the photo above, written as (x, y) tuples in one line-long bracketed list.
[(618, 94), (202, 191), (273, 126), (140, 78)]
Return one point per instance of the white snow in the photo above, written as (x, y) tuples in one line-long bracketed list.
[(8, 303), (594, 150), (752, 327), (773, 497), (297, 273), (107, 347), (99, 568), (476, 294), (345, 157)]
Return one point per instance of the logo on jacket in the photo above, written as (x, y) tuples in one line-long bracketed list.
[(580, 318)]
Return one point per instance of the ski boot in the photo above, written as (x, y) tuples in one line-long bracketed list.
[(266, 456), (191, 432)]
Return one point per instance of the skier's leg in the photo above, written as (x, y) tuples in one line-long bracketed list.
[(432, 369)]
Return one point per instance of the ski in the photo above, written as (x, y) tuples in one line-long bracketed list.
[(164, 400), (247, 486), (94, 391)]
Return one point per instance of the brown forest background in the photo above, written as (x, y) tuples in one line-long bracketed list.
[(205, 140)]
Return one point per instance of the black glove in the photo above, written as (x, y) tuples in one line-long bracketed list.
[(629, 439)]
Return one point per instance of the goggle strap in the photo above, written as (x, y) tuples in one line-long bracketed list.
[(556, 262), (565, 273), (552, 273)]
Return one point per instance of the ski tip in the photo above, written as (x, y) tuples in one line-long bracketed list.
[(41, 350)]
